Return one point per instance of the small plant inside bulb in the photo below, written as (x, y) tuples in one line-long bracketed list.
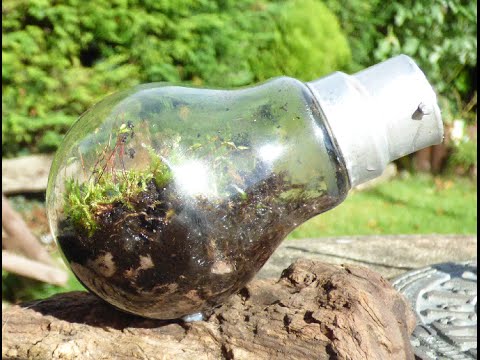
[(166, 200)]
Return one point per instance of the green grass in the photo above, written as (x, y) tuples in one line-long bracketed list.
[(419, 204)]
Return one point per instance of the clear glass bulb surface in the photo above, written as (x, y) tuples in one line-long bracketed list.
[(166, 200)]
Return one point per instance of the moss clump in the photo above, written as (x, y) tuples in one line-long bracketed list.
[(83, 202), (107, 185)]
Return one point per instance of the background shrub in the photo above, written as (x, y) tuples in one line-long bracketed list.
[(61, 57), (58, 59), (440, 35), (361, 21)]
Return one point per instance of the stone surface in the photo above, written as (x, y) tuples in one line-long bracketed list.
[(444, 297), (390, 255)]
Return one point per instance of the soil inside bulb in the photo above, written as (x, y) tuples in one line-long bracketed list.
[(161, 257)]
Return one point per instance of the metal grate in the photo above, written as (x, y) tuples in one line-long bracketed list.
[(444, 297)]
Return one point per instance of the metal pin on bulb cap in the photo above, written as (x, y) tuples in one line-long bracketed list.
[(379, 114)]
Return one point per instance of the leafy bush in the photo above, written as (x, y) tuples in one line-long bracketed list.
[(61, 57), (441, 35), (301, 42), (362, 22), (464, 154)]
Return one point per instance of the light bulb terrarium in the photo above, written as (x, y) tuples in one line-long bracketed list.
[(166, 200)]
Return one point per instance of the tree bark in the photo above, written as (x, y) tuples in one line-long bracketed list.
[(315, 311)]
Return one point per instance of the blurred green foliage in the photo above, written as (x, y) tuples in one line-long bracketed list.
[(16, 288), (441, 35), (61, 57), (465, 154), (448, 206), (361, 21)]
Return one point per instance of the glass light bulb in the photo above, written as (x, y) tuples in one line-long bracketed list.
[(166, 200)]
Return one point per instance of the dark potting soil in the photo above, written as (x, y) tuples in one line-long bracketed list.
[(165, 258)]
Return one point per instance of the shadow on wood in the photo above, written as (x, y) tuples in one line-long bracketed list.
[(315, 311)]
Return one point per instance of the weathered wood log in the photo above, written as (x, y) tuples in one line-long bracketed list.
[(315, 311), (19, 237), (32, 269), (26, 173)]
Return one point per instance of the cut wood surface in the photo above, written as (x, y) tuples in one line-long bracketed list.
[(25, 174), (32, 269), (19, 237), (315, 311)]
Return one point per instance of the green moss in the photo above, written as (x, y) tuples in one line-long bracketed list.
[(160, 171), (85, 201)]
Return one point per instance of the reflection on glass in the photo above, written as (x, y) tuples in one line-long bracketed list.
[(167, 200)]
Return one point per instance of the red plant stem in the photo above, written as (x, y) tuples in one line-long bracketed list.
[(108, 162)]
